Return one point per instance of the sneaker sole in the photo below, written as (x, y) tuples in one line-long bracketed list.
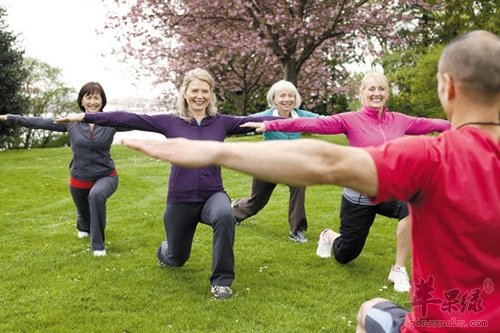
[(402, 290), (299, 241), (322, 255)]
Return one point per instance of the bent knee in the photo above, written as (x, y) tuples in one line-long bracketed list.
[(97, 197), (365, 307), (225, 218), (344, 258), (175, 262)]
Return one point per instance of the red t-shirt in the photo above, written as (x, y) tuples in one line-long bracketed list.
[(452, 183)]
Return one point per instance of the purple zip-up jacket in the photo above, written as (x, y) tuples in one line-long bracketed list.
[(184, 185), (362, 128)]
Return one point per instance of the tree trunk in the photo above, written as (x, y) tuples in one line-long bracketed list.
[(237, 100), (28, 138), (291, 71)]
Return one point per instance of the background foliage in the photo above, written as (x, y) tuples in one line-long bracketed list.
[(412, 70), (248, 45), (29, 87), (12, 76), (323, 46)]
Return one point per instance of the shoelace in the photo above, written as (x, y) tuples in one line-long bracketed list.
[(222, 289)]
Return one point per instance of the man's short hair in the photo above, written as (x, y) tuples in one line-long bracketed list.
[(473, 61)]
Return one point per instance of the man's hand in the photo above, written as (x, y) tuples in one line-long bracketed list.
[(179, 151)]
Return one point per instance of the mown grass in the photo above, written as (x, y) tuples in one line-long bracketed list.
[(50, 282)]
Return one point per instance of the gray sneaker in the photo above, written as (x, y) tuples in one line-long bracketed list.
[(298, 236), (161, 254), (221, 292), (234, 204)]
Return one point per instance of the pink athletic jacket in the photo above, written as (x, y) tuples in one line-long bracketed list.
[(362, 128)]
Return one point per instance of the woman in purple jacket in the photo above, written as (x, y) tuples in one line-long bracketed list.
[(194, 195), (93, 178), (372, 125)]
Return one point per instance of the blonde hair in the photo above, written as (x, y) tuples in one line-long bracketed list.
[(182, 107), (279, 86), (379, 78)]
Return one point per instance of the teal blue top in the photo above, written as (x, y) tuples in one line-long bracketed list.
[(296, 113)]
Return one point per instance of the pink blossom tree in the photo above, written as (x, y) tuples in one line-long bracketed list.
[(249, 44)]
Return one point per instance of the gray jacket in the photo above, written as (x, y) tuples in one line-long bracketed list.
[(91, 148)]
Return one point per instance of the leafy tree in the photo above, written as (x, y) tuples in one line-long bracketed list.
[(47, 96), (249, 44), (415, 87), (456, 17), (12, 75), (412, 71)]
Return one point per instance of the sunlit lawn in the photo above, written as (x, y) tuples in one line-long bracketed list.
[(50, 282)]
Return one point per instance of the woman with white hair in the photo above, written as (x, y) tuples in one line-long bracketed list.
[(194, 195), (284, 101), (372, 125)]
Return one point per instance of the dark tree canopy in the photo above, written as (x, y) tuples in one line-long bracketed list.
[(12, 77), (412, 70)]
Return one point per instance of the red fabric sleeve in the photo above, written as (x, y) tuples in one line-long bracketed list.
[(403, 168)]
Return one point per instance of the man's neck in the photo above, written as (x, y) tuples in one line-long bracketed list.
[(483, 116)]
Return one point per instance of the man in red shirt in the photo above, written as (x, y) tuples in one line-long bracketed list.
[(451, 182)]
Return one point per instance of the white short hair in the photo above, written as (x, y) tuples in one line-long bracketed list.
[(279, 86)]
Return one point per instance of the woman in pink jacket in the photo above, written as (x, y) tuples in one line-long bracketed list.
[(372, 125)]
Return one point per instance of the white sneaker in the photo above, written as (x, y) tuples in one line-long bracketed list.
[(82, 234), (399, 277), (99, 253), (325, 245)]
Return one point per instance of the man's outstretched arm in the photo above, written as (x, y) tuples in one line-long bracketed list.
[(296, 162)]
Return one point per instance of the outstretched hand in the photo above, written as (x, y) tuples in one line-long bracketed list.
[(179, 151), (3, 117), (70, 118), (259, 126)]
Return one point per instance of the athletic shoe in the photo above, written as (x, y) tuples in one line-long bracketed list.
[(399, 277), (325, 245), (233, 204), (82, 234), (221, 292), (99, 253), (161, 254), (298, 236)]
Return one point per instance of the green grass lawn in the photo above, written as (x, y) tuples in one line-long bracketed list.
[(50, 282)]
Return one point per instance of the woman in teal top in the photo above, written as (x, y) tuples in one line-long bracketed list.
[(284, 100)]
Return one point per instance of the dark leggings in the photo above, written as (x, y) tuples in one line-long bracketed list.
[(261, 193), (181, 221), (355, 223), (91, 209)]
